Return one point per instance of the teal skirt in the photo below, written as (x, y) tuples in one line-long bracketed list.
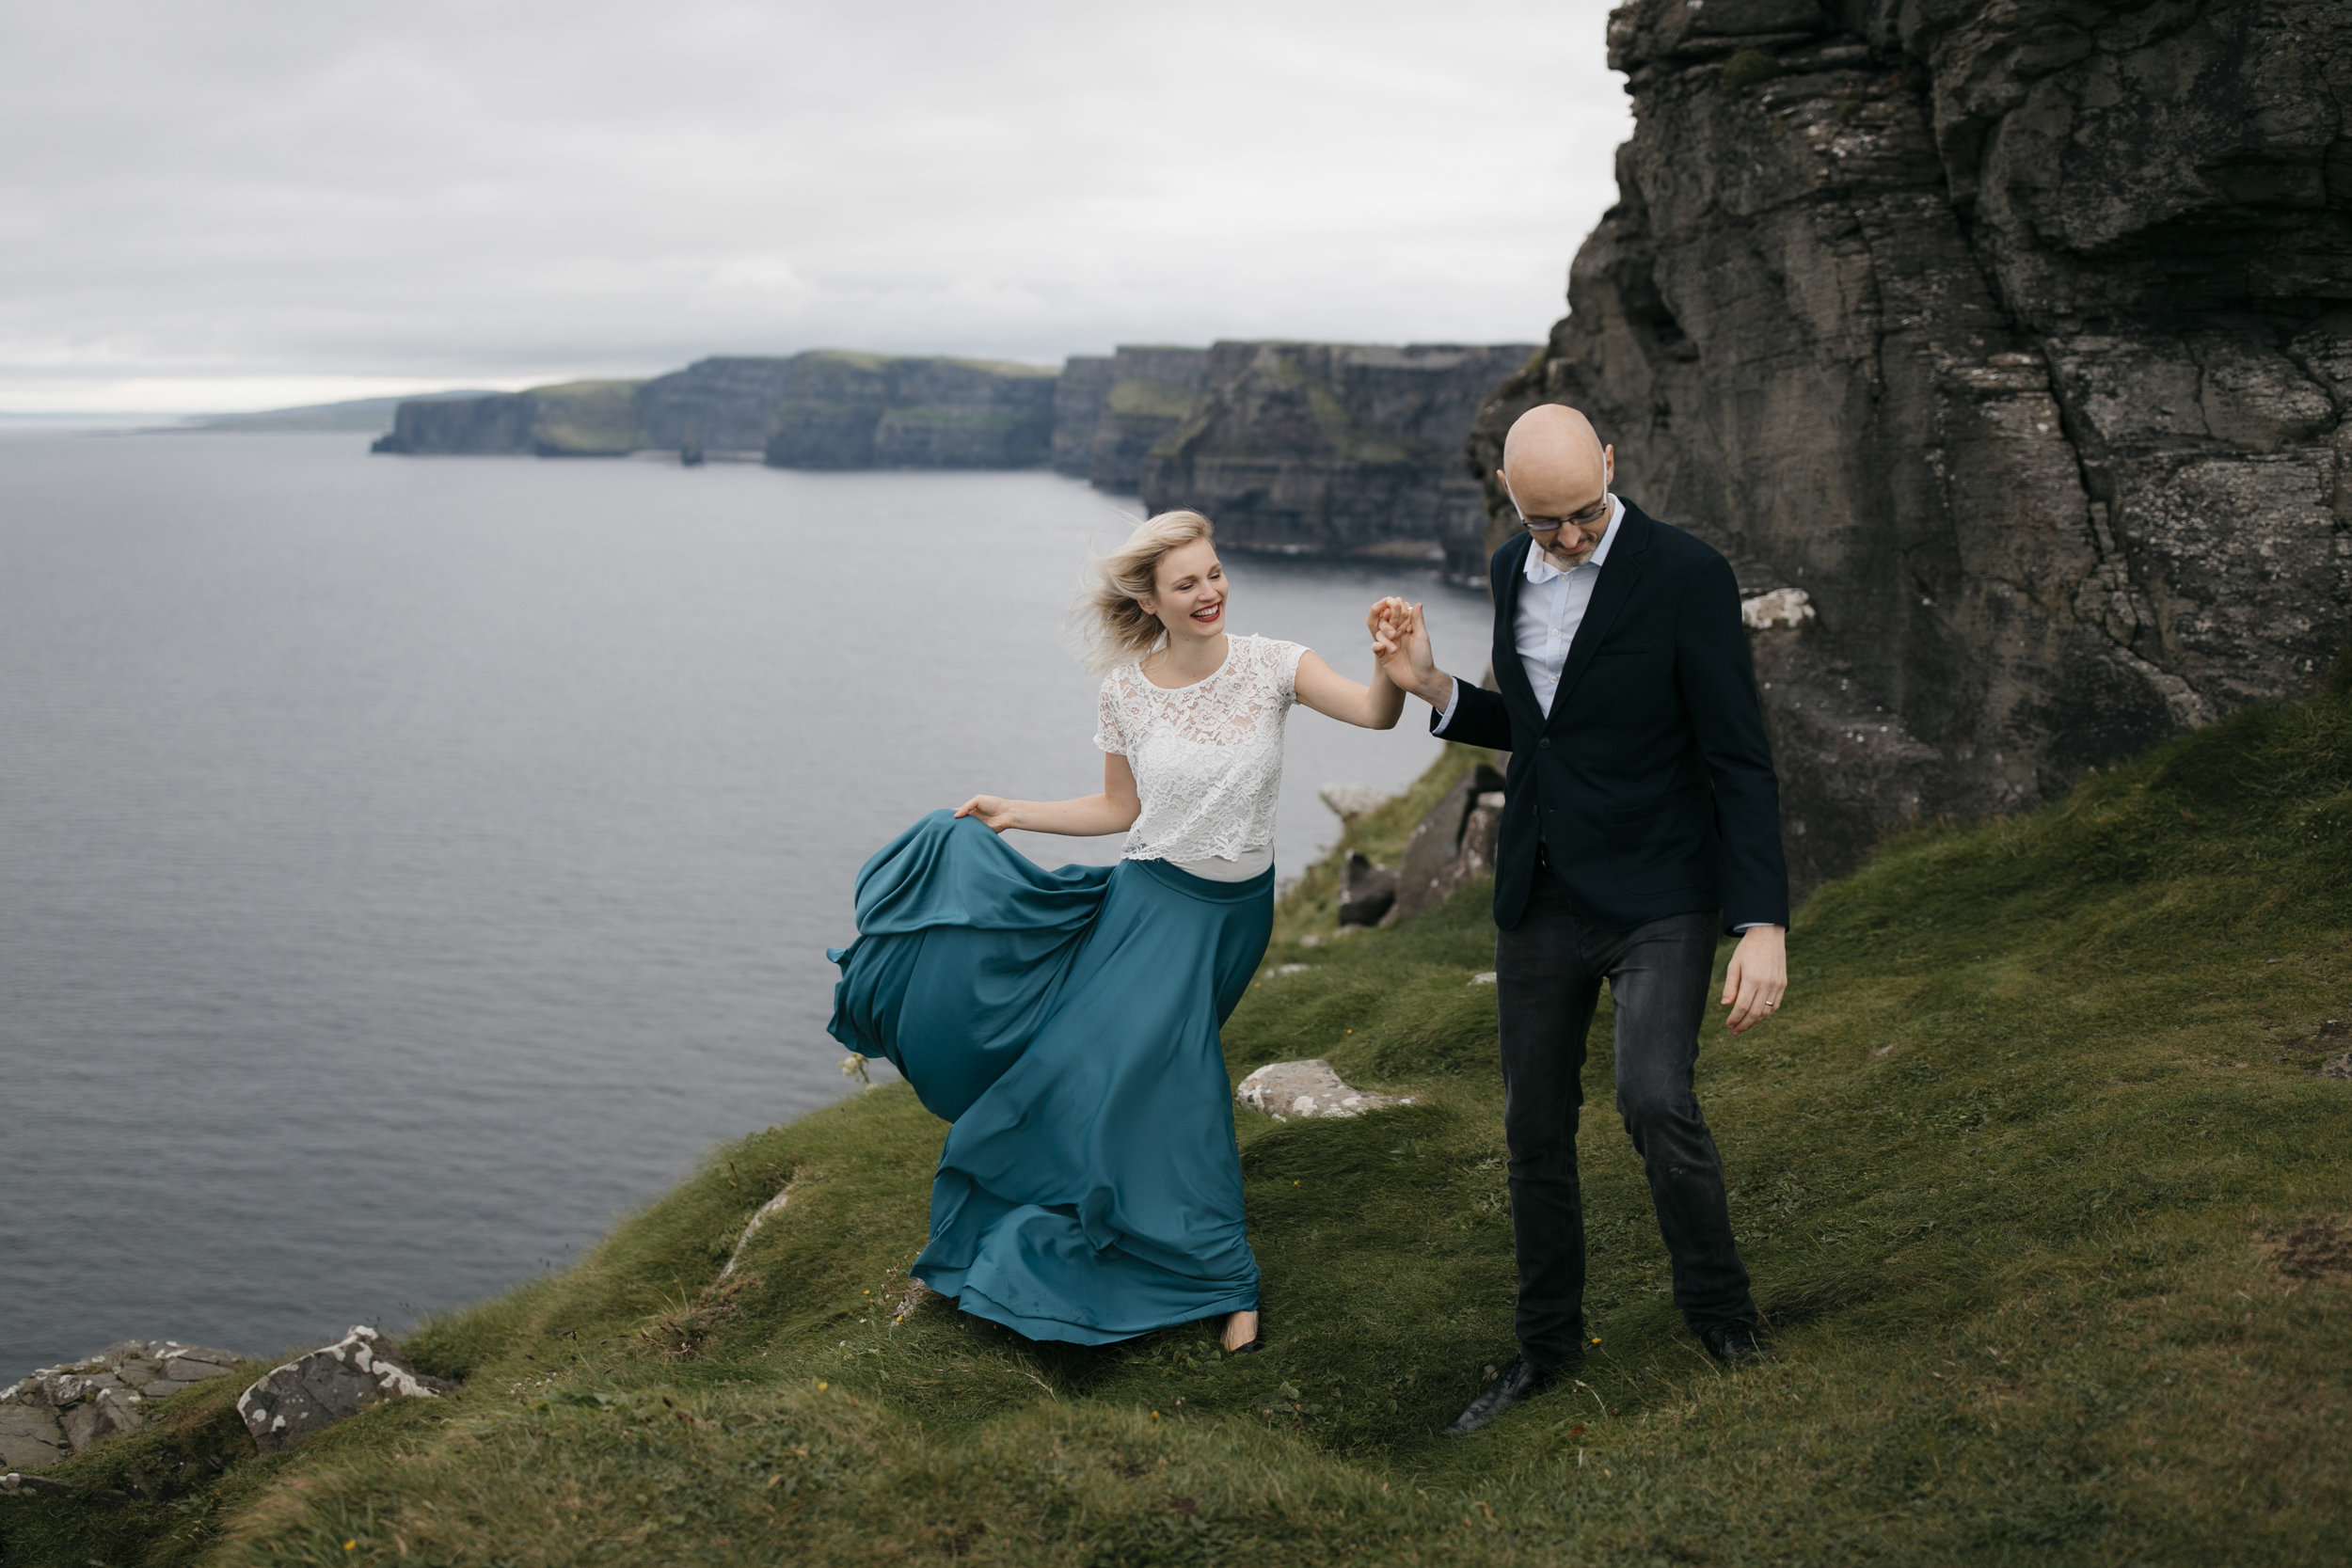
[(1065, 1023)]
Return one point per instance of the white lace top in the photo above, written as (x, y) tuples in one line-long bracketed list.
[(1207, 757)]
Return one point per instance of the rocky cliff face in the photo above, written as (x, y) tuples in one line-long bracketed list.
[(2015, 337), (1331, 447), (868, 411), (576, 418), (1112, 411), (815, 410)]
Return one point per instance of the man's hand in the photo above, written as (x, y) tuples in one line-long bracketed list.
[(1757, 978)]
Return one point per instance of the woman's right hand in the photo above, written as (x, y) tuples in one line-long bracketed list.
[(994, 812)]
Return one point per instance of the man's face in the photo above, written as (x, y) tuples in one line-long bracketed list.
[(1567, 515)]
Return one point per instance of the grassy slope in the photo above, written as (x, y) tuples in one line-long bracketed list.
[(2011, 1173)]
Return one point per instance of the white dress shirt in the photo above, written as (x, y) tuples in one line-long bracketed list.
[(1552, 608)]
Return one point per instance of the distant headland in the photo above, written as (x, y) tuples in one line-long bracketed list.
[(1322, 448)]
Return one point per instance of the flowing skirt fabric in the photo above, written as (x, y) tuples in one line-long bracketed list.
[(1065, 1023)]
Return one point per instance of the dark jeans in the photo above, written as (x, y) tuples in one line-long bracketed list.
[(1547, 974)]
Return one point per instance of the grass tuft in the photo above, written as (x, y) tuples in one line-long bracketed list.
[(1750, 68)]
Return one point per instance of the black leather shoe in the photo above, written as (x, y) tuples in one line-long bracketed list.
[(1518, 1378), (1736, 1344)]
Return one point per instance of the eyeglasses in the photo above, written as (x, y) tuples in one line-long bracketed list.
[(1585, 517)]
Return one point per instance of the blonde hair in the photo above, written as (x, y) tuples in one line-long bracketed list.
[(1113, 627)]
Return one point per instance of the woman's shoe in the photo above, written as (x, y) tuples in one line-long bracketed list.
[(1257, 1341)]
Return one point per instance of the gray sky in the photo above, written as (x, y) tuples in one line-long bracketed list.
[(216, 205)]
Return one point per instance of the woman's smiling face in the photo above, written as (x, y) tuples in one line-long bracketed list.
[(1189, 596)]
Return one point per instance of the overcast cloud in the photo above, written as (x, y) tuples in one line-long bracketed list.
[(212, 205)]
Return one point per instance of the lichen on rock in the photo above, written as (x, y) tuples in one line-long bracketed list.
[(60, 1411), (329, 1384)]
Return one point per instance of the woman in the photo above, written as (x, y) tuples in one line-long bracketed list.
[(1066, 1022)]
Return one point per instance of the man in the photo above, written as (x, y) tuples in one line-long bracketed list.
[(1642, 814)]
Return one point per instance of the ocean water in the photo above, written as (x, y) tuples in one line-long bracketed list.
[(407, 866)]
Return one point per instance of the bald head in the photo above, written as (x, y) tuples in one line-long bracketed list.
[(1551, 441), (1553, 468)]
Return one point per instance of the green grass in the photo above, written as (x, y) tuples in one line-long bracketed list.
[(586, 418), (2020, 1173), (1750, 68), (1151, 399)]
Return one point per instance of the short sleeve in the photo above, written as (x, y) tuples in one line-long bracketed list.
[(1283, 668), (1108, 735)]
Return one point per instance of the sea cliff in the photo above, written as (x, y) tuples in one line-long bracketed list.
[(820, 409), (1306, 447), (575, 418), (1111, 411), (2017, 339), (1331, 447)]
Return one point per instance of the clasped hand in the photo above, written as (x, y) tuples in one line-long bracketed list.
[(1400, 642)]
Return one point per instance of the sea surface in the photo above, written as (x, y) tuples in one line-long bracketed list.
[(409, 866)]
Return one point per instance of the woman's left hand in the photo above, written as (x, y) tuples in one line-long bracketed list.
[(995, 813)]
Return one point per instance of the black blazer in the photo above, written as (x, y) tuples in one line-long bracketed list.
[(1652, 781)]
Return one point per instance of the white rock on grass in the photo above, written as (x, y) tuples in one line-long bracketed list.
[(327, 1385), (1487, 978), (1349, 801), (60, 1411), (1284, 1090)]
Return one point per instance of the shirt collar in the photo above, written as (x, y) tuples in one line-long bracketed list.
[(1539, 567)]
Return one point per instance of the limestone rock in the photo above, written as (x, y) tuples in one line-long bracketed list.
[(1352, 800), (1366, 891), (1331, 447), (1111, 411), (1452, 845), (60, 1411), (31, 1437), (14, 1485), (1299, 1090), (2011, 336), (327, 1386)]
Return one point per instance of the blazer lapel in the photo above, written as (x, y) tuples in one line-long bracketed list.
[(1618, 575), (1510, 673)]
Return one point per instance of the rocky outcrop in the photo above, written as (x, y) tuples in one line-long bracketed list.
[(2017, 338), (1367, 892), (576, 418), (1331, 447), (1110, 412), (1300, 1091), (1349, 801), (60, 1411), (1451, 847), (329, 1384)]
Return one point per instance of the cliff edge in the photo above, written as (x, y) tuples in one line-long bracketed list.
[(1330, 448), (2016, 337)]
